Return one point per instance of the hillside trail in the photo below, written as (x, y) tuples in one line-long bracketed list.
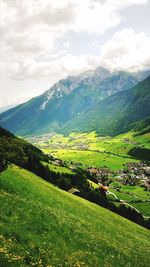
[(122, 202), (110, 193), (125, 203)]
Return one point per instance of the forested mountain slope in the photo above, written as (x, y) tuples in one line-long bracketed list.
[(115, 114)]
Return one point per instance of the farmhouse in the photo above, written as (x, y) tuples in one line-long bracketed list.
[(74, 191)]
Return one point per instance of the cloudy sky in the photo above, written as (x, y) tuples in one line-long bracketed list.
[(42, 41)]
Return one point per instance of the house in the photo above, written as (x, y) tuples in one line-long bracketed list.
[(74, 191), (102, 189), (147, 170)]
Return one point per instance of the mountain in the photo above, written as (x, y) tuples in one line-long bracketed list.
[(66, 101), (42, 225), (117, 113)]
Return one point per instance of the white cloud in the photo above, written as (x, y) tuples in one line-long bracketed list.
[(32, 30), (126, 3), (67, 64), (36, 46), (127, 50)]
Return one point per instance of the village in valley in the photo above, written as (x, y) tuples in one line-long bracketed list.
[(106, 162), (132, 173)]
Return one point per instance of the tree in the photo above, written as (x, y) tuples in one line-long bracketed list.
[(64, 183), (3, 163)]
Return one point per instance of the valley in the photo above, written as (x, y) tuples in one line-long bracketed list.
[(75, 173), (106, 160), (117, 146), (75, 133)]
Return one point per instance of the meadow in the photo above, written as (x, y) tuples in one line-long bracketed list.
[(58, 169), (42, 225), (91, 159), (134, 195), (90, 149)]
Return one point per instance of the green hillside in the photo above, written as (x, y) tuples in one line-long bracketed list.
[(58, 169), (42, 225), (23, 154)]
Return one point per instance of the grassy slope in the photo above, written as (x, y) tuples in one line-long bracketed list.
[(44, 226), (58, 169)]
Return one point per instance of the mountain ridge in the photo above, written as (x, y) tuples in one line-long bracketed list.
[(66, 100), (115, 114)]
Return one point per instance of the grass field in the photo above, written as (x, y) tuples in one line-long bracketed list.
[(143, 139), (90, 158), (93, 150), (42, 225), (92, 184), (92, 142), (144, 208), (58, 169), (131, 194), (136, 192)]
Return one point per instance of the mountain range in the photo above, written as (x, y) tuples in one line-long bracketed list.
[(100, 100), (117, 113)]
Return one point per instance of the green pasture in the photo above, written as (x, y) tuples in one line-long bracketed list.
[(90, 158), (58, 169), (42, 225)]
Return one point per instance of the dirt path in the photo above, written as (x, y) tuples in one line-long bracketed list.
[(110, 193)]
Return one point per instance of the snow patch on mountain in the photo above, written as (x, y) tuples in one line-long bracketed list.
[(48, 97)]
